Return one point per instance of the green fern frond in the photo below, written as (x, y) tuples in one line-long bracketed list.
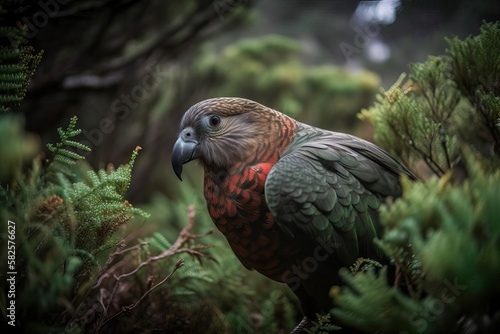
[(10, 54), (159, 242), (10, 68), (75, 144), (10, 98), (11, 77), (8, 31), (7, 86), (62, 157), (17, 66)]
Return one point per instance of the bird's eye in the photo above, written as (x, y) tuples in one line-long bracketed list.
[(214, 120)]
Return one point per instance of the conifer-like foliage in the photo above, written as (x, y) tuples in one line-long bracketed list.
[(97, 202), (447, 102), (443, 234)]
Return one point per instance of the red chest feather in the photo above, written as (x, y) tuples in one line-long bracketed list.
[(238, 208), (235, 200)]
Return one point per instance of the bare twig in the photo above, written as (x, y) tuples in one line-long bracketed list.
[(184, 236), (409, 286), (130, 307), (398, 276), (112, 256)]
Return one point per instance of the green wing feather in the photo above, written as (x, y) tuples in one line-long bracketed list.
[(328, 186)]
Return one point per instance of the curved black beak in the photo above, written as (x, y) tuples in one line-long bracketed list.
[(184, 151)]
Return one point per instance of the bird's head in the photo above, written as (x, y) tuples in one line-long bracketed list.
[(222, 132)]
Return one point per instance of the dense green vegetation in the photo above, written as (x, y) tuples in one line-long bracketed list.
[(443, 234), (101, 248)]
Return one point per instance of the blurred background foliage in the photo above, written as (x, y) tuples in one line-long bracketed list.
[(129, 69)]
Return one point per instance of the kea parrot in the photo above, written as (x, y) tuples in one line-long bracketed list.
[(295, 202)]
